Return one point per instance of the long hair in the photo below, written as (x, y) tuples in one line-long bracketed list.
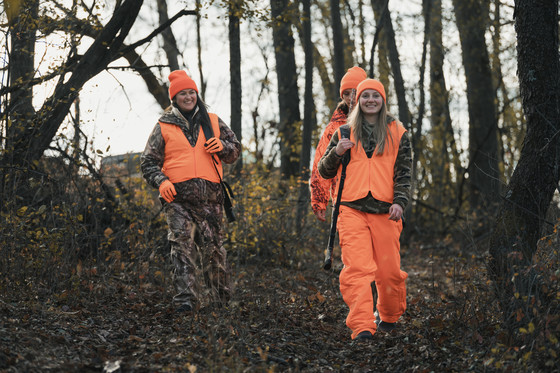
[(380, 131), (203, 112)]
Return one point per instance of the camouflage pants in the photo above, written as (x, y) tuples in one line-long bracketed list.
[(200, 271)]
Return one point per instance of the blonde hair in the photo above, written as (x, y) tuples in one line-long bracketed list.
[(381, 128)]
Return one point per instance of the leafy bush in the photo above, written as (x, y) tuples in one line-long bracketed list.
[(64, 225), (274, 224)]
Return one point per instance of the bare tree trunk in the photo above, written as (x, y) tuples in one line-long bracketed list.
[(202, 86), (308, 113), (235, 73), (338, 44), (483, 169), (509, 142), (349, 32), (441, 121), (378, 29), (362, 33), (382, 10), (288, 96), (417, 131), (21, 68), (416, 137), (522, 212), (32, 140), (327, 83), (169, 42), (321, 66)]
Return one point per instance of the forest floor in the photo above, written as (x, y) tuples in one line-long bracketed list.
[(282, 318)]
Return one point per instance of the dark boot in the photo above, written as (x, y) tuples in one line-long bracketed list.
[(364, 336), (386, 327)]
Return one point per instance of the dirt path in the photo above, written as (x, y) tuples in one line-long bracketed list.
[(281, 319)]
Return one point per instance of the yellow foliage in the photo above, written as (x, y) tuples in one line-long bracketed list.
[(266, 208)]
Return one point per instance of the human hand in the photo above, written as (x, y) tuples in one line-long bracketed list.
[(343, 145), (213, 145), (395, 212), (320, 214), (167, 191)]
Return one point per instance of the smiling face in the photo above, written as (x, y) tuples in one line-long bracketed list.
[(186, 99), (371, 103)]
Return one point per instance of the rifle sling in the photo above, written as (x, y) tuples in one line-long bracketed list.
[(228, 192)]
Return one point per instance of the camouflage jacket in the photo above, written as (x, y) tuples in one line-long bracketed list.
[(194, 190), (328, 168)]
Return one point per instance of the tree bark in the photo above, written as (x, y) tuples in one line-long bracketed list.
[(34, 135), (308, 113), (442, 131), (521, 215), (202, 87), (30, 143), (21, 70), (235, 73), (338, 46), (361, 27), (324, 74), (484, 182), (288, 96), (509, 112), (169, 42), (382, 10)]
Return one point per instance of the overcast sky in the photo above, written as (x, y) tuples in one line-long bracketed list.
[(118, 113)]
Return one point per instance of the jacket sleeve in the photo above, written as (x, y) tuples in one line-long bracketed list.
[(402, 172), (318, 186), (152, 158), (232, 147), (330, 161)]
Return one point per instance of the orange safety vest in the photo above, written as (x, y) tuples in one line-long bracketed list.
[(373, 174), (183, 161)]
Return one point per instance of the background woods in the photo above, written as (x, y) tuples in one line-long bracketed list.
[(81, 235)]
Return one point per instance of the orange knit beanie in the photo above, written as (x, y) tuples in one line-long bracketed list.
[(179, 80), (352, 78), (371, 84)]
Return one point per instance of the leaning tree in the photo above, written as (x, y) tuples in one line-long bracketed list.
[(29, 131)]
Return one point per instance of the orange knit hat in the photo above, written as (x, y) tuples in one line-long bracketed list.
[(179, 80), (374, 84), (352, 78)]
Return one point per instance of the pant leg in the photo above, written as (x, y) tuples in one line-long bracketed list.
[(359, 269), (183, 254), (210, 231), (389, 278)]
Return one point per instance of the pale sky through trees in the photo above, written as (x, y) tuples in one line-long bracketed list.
[(118, 113)]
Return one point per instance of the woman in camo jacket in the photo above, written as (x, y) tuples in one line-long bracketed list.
[(186, 167)]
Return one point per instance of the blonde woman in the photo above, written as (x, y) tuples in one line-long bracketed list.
[(375, 194)]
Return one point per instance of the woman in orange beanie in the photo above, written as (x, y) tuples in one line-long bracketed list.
[(374, 196), (320, 188), (183, 159)]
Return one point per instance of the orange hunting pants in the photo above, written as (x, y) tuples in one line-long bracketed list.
[(370, 252)]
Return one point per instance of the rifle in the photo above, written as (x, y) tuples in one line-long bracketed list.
[(345, 160), (328, 255)]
